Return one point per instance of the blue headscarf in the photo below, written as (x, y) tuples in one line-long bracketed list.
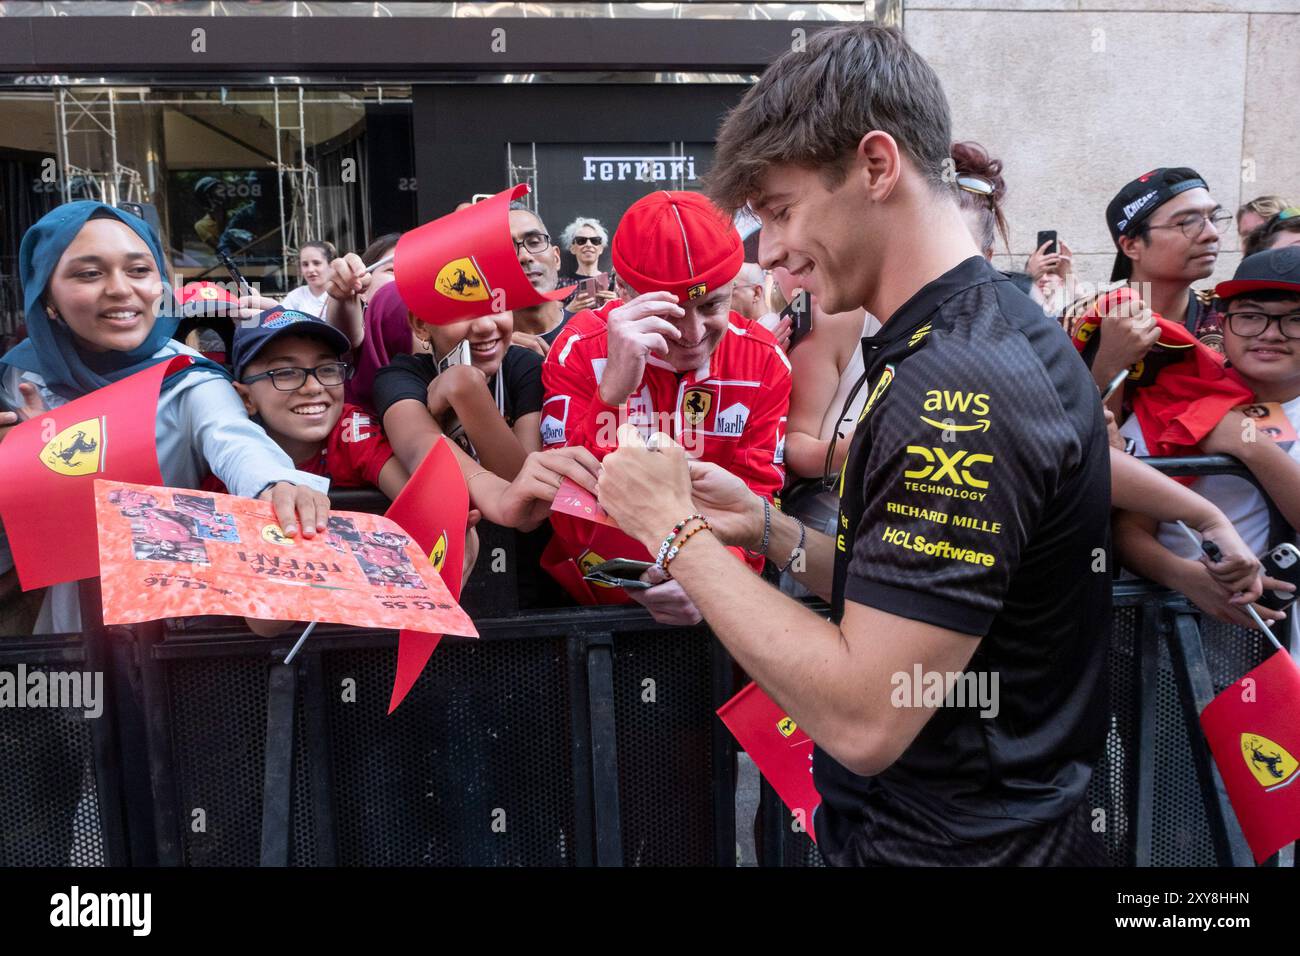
[(51, 350)]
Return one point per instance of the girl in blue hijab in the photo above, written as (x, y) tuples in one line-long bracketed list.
[(98, 309)]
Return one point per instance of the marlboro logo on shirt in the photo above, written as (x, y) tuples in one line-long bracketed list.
[(50, 463)]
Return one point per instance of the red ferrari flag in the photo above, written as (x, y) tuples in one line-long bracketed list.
[(464, 265), (1180, 391), (50, 463), (1253, 729), (432, 508), (781, 751)]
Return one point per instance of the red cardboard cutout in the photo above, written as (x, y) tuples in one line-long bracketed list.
[(781, 751), (167, 552), (464, 265), (433, 509), (1253, 729), (49, 464)]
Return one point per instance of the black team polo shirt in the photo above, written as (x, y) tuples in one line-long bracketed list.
[(976, 497)]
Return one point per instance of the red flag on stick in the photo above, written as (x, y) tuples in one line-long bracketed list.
[(433, 509), (464, 265), (781, 751), (50, 463), (1253, 729)]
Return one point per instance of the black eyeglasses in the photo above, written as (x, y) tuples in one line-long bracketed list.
[(1192, 224), (291, 379), (583, 240), (534, 242), (1250, 324)]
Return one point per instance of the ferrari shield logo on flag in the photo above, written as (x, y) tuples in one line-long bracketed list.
[(439, 553), (465, 264), (77, 450), (433, 508), (462, 281), (49, 465), (696, 404), (1271, 764), (588, 560), (781, 751), (1253, 729)]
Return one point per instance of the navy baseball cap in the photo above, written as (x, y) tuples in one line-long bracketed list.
[(1271, 269), (273, 323), (1134, 204)]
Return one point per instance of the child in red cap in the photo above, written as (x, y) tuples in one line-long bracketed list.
[(669, 356)]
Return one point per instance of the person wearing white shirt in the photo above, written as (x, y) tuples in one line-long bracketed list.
[(314, 260)]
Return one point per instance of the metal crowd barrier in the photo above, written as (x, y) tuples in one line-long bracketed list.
[(563, 737)]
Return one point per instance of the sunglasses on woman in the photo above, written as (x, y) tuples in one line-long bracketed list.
[(583, 240)]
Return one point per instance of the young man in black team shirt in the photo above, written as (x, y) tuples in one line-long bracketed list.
[(974, 502)]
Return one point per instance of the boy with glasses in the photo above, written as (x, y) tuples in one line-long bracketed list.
[(1261, 338), (289, 370)]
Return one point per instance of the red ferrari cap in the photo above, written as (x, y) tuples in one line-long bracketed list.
[(676, 242)]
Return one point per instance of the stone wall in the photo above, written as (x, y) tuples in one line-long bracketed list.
[(1077, 97)]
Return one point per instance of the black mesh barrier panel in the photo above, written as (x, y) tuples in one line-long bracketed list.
[(1113, 788), (49, 803), (218, 715), (664, 715), (474, 768)]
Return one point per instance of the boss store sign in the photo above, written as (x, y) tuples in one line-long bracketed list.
[(645, 169)]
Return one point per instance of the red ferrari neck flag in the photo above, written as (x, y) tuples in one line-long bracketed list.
[(432, 508), (1253, 729), (50, 463), (781, 751), (1180, 390), (464, 265)]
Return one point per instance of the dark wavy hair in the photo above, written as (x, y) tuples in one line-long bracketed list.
[(972, 159)]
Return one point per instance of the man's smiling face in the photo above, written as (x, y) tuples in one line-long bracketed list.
[(818, 235)]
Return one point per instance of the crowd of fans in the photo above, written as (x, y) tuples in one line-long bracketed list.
[(342, 355)]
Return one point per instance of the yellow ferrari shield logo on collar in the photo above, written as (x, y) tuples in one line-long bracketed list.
[(77, 450)]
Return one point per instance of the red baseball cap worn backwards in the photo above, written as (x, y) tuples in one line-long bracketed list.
[(676, 242)]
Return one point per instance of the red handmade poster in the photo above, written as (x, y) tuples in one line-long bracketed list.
[(464, 265), (1253, 729), (49, 464), (432, 508), (164, 552), (781, 751)]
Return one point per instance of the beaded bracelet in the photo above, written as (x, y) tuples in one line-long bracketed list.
[(672, 535), (702, 526)]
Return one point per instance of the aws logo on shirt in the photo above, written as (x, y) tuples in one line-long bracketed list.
[(939, 401)]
